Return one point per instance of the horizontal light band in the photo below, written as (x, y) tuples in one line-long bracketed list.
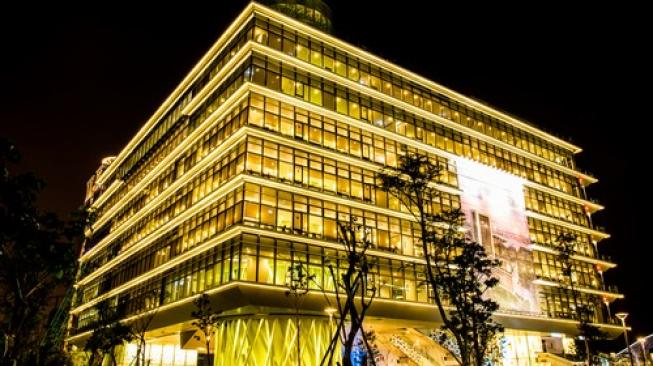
[(303, 145), (195, 135), (377, 130), (161, 230), (281, 290), (601, 262), (326, 38), (190, 78), (340, 80), (167, 193), (589, 204), (581, 289), (162, 268), (240, 179), (115, 185), (582, 229)]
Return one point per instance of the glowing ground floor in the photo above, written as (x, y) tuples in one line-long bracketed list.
[(271, 340), (259, 327)]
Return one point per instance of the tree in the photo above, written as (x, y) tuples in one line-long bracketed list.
[(37, 258), (352, 283), (140, 326), (297, 281), (588, 333), (205, 320), (108, 333), (464, 277), (458, 270)]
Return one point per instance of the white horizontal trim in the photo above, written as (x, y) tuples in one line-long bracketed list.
[(303, 145), (212, 197), (162, 268), (195, 135), (589, 204), (162, 230), (368, 127), (281, 290), (582, 229), (375, 60), (581, 289), (230, 233), (600, 262), (168, 192), (115, 185), (190, 78), (340, 80)]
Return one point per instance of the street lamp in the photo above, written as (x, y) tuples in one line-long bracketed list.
[(642, 342), (622, 316)]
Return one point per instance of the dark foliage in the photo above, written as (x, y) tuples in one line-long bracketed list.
[(37, 258), (458, 270), (205, 321)]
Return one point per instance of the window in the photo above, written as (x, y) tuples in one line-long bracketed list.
[(289, 47), (315, 225), (316, 95), (328, 63), (287, 86), (271, 121), (284, 219), (273, 81), (260, 35), (285, 171), (251, 211), (268, 215), (302, 52), (259, 76), (341, 105), (341, 68), (316, 58), (254, 163)]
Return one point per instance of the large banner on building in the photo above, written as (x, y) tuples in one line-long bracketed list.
[(493, 203)]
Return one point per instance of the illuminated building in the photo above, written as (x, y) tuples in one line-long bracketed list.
[(277, 133)]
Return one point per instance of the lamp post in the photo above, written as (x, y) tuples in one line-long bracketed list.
[(622, 316), (642, 342)]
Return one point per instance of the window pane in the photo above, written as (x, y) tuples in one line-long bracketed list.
[(284, 219), (316, 96), (341, 105), (256, 117), (268, 215), (251, 211), (287, 86), (302, 52)]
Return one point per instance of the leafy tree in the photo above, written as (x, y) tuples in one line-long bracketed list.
[(355, 291), (37, 258), (108, 333), (588, 333), (458, 270), (205, 321)]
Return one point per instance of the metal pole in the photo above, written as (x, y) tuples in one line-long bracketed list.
[(630, 354), (643, 344)]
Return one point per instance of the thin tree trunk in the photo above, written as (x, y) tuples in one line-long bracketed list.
[(208, 353), (114, 362)]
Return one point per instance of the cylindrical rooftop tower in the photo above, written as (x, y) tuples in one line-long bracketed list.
[(315, 13)]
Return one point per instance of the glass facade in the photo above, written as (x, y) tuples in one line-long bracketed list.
[(280, 136)]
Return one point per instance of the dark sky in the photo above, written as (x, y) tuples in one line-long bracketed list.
[(78, 82)]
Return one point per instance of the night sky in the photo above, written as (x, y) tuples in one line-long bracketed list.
[(77, 83)]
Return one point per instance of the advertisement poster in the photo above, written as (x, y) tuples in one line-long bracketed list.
[(493, 203)]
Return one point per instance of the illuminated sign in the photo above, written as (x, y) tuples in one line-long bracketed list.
[(493, 203)]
